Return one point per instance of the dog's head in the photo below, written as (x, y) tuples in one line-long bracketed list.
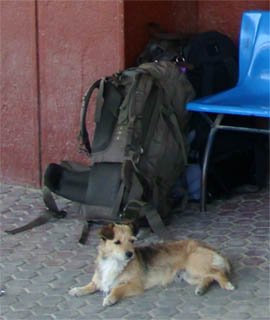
[(117, 240)]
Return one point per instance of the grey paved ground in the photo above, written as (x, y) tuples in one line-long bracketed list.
[(39, 266)]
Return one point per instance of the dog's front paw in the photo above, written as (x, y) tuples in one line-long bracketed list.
[(76, 292), (109, 300), (229, 286), (200, 290)]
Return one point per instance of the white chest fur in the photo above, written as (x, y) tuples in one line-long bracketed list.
[(109, 270)]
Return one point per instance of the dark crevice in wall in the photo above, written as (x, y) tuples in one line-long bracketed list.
[(39, 130)]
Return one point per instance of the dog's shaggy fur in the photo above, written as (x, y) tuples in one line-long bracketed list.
[(123, 270)]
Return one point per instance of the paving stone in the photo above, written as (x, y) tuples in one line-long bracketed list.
[(173, 302), (261, 302), (141, 306), (212, 310), (17, 286), (39, 266), (22, 305), (236, 316), (262, 292), (93, 309), (115, 312), (28, 298), (261, 312), (36, 289), (67, 314), (72, 304), (44, 310), (63, 282), (243, 295), (164, 312), (7, 300), (190, 308), (18, 315), (43, 317), (185, 316), (50, 300), (24, 275), (138, 316), (217, 294)]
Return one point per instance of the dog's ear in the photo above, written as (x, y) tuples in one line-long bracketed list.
[(107, 232)]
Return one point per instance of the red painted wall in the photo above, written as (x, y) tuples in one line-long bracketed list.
[(225, 16), (51, 51), (19, 95)]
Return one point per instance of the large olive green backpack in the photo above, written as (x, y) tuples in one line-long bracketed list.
[(138, 152)]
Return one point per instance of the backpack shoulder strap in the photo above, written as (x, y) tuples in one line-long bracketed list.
[(83, 137)]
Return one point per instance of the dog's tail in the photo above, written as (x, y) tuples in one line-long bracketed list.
[(221, 263)]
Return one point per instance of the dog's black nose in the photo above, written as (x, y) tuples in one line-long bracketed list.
[(129, 254)]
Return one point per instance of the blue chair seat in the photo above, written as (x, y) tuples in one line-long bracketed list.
[(251, 95), (240, 100)]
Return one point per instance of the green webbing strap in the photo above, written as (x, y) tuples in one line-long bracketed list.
[(125, 183), (136, 95), (153, 123), (178, 135), (51, 212), (118, 200), (100, 101), (85, 232), (42, 219), (124, 113), (83, 134), (159, 200), (146, 210), (155, 221), (51, 204)]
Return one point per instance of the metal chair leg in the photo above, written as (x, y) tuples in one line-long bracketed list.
[(206, 157), (205, 167)]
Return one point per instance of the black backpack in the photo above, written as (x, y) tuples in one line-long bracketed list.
[(138, 151), (211, 58), (215, 68), (215, 60), (163, 46)]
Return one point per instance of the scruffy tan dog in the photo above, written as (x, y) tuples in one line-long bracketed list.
[(123, 270)]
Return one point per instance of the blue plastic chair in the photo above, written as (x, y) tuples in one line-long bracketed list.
[(250, 97)]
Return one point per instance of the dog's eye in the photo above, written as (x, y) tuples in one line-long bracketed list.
[(117, 242), (132, 240)]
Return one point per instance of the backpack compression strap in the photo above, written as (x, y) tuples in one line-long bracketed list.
[(152, 216), (83, 136), (155, 222), (51, 212)]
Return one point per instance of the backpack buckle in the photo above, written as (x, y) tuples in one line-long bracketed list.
[(131, 211), (134, 153)]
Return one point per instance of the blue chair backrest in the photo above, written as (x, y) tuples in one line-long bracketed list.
[(254, 51)]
